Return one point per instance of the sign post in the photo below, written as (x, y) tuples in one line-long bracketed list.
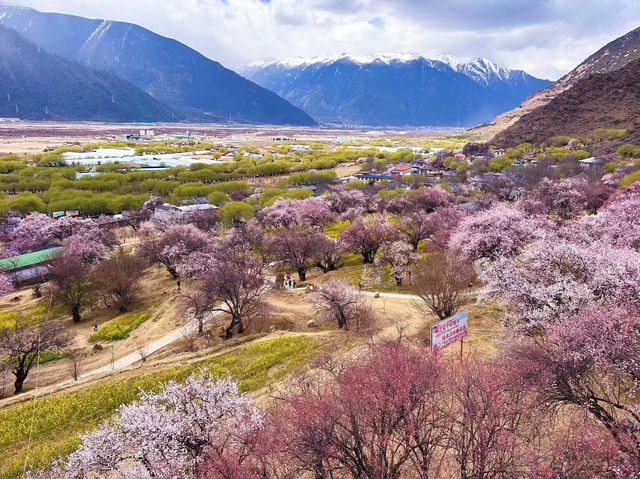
[(446, 332)]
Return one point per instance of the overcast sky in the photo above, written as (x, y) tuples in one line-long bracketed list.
[(544, 37)]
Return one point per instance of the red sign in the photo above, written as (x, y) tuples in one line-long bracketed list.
[(448, 331)]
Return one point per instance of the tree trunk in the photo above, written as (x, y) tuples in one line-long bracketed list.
[(75, 313), (235, 322), (302, 273), (342, 321), (368, 257), (21, 377), (228, 333), (200, 326), (172, 271)]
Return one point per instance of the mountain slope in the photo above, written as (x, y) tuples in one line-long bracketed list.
[(169, 71), (396, 89), (601, 100), (611, 57), (36, 85)]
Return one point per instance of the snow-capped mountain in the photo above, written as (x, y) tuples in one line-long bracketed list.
[(479, 69), (396, 89)]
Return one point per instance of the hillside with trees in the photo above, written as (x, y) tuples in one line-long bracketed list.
[(297, 313), (613, 56)]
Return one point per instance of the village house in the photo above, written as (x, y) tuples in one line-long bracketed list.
[(31, 268), (402, 169), (371, 177), (592, 163)]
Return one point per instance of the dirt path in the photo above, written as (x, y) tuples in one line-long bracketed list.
[(130, 359)]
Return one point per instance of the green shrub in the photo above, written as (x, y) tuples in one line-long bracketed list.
[(271, 195), (604, 134), (217, 198), (235, 211), (390, 194), (630, 179), (611, 167), (500, 163), (628, 150), (50, 356), (560, 140)]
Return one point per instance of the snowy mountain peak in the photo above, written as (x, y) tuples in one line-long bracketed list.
[(327, 60), (480, 70)]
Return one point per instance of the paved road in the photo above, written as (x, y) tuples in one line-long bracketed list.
[(150, 348)]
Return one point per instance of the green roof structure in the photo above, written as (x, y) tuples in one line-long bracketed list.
[(29, 259)]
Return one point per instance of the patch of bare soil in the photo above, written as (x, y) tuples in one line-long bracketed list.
[(159, 297)]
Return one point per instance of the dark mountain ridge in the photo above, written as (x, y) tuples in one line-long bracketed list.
[(611, 57), (36, 85), (191, 84), (601, 100)]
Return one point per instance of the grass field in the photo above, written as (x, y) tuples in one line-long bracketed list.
[(36, 433), (120, 327), (334, 230)]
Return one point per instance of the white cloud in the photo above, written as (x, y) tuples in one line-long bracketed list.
[(544, 37)]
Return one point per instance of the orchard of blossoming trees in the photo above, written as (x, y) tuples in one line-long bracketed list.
[(401, 412), (558, 400)]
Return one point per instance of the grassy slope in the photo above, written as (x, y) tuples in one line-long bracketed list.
[(37, 432), (120, 327)]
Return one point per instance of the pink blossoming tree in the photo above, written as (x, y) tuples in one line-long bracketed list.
[(496, 232), (165, 434), (172, 247), (400, 257), (32, 233), (337, 302), (589, 361), (554, 278), (295, 249), (6, 285), (366, 236)]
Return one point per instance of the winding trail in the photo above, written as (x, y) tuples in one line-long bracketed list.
[(150, 348), (190, 328)]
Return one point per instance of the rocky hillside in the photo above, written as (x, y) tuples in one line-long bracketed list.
[(611, 57), (193, 85), (601, 100), (397, 90), (36, 85)]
